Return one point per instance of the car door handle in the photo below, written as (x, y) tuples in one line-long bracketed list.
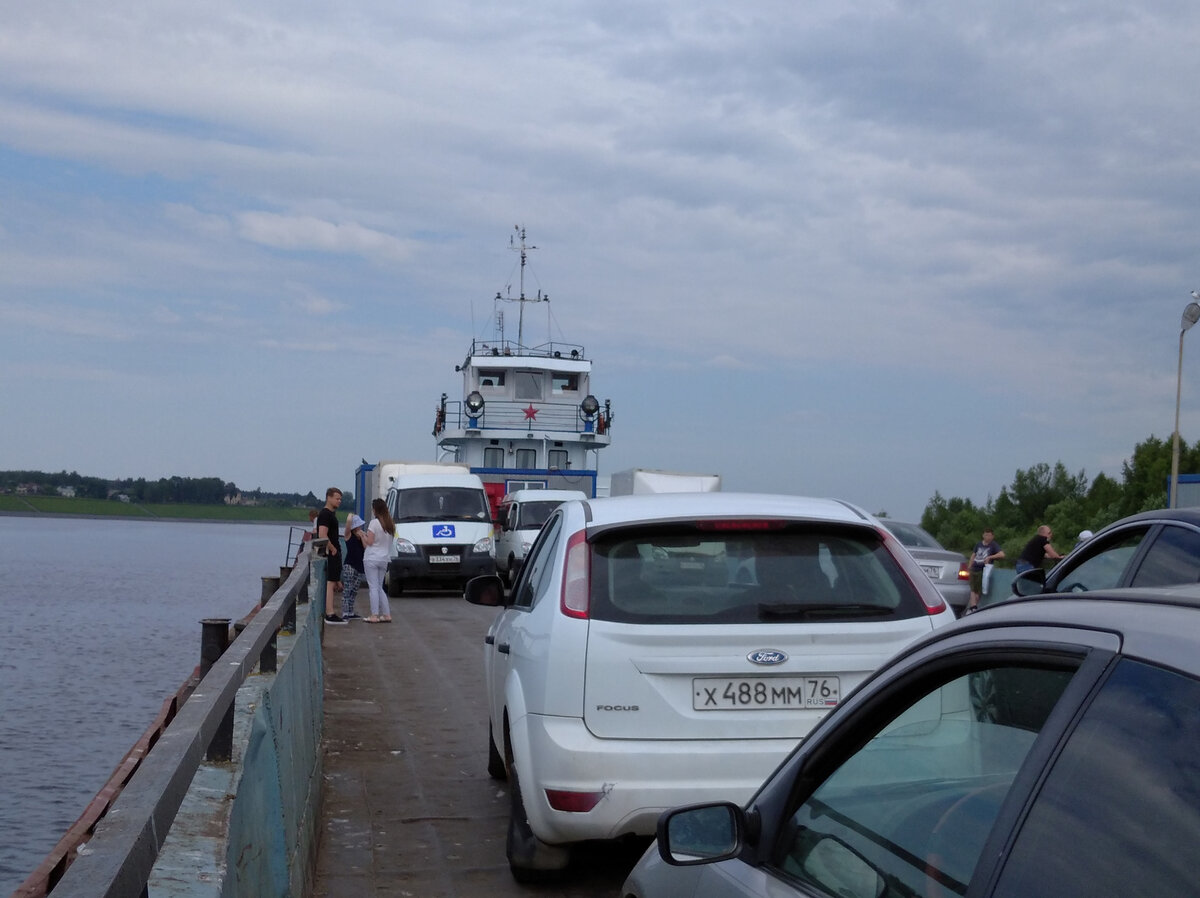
[(502, 648), (489, 639)]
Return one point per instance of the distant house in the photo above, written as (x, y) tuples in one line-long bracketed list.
[(27, 489), (67, 492)]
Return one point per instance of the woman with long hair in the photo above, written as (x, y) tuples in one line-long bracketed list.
[(375, 559)]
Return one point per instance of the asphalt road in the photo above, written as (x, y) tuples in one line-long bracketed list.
[(409, 807)]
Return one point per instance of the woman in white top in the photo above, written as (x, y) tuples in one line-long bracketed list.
[(375, 559)]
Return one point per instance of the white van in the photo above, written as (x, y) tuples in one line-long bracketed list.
[(443, 531), (519, 518)]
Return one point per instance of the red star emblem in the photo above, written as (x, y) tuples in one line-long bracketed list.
[(530, 413)]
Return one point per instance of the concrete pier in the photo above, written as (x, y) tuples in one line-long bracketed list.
[(409, 808)]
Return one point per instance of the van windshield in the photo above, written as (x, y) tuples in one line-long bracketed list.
[(438, 503), (534, 514)]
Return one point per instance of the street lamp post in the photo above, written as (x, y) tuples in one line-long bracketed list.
[(1191, 315)]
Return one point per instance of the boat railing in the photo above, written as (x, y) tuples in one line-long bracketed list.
[(551, 350), (131, 829), (534, 417)]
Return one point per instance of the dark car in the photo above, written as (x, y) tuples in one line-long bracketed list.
[(1043, 747), (1154, 548)]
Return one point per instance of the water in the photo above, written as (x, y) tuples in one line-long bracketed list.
[(101, 625)]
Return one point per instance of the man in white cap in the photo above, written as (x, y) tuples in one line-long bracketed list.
[(352, 570)]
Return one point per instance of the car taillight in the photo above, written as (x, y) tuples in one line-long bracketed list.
[(748, 524), (577, 802), (963, 573), (934, 603), (930, 597), (576, 590)]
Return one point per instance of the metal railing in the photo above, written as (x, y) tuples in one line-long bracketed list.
[(507, 414), (511, 348), (118, 860)]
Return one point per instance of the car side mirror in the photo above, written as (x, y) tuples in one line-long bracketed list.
[(487, 590), (700, 834), (1029, 583)]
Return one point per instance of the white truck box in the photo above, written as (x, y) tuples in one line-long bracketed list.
[(372, 481), (637, 481)]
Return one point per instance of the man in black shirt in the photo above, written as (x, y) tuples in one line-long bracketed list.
[(1037, 550), (327, 528)]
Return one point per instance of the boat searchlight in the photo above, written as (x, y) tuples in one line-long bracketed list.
[(474, 404), (589, 407)]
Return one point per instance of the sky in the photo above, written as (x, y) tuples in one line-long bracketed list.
[(865, 250)]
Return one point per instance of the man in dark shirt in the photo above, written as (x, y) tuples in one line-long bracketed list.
[(327, 528), (1037, 550)]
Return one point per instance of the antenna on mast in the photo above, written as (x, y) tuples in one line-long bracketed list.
[(522, 248)]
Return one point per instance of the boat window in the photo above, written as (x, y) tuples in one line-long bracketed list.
[(511, 486), (491, 380), (564, 383), (493, 457), (557, 458), (529, 384), (526, 458)]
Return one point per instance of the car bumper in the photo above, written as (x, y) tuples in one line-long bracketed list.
[(956, 594), (415, 570), (639, 778)]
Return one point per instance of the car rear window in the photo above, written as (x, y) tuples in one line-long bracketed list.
[(912, 536), (745, 572)]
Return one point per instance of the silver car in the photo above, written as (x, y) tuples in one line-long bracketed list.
[(947, 570)]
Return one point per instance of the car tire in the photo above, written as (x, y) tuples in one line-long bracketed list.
[(394, 588), (530, 860), (495, 767)]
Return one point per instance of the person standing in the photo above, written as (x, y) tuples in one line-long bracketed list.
[(327, 529), (375, 559), (352, 570), (987, 551), (1037, 550)]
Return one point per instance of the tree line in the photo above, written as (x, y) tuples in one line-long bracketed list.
[(165, 490), (1068, 503)]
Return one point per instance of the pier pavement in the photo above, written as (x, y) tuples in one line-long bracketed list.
[(409, 808)]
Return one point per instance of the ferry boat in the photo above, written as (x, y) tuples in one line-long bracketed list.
[(527, 418)]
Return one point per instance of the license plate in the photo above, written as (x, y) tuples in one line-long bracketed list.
[(764, 693), (933, 570), (444, 559)]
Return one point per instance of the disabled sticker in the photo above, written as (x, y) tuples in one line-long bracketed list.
[(443, 531)]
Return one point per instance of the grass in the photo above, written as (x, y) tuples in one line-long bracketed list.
[(113, 508)]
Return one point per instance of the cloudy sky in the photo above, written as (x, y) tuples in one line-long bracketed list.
[(868, 250)]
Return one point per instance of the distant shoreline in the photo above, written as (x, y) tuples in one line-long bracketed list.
[(149, 518)]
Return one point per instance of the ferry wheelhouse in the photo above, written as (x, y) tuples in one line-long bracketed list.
[(528, 418)]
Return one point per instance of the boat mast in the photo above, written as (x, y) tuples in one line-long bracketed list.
[(522, 248)]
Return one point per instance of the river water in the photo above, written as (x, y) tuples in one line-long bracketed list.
[(101, 625)]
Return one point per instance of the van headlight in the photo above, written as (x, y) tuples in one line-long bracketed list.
[(483, 547), (402, 546)]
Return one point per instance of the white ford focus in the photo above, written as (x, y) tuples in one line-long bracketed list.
[(673, 647)]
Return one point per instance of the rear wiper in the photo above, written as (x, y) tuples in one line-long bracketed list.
[(816, 609)]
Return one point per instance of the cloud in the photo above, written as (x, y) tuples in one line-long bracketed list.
[(306, 233)]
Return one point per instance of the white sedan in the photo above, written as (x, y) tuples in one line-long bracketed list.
[(675, 646)]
